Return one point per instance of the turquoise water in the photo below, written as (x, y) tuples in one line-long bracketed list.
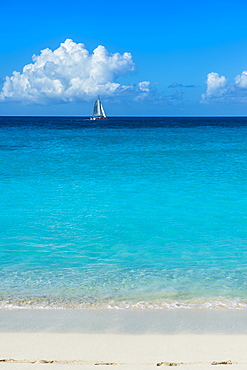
[(130, 212)]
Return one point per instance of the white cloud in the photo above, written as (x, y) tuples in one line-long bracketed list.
[(71, 73), (216, 86), (219, 88), (144, 91), (241, 80), (144, 86)]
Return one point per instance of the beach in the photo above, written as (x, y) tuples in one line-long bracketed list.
[(126, 339)]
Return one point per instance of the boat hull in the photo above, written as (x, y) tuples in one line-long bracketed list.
[(96, 118)]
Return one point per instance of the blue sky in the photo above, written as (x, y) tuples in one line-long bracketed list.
[(185, 58)]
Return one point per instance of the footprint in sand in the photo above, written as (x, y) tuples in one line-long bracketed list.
[(169, 363), (106, 363), (228, 362)]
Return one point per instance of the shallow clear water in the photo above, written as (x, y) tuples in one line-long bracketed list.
[(126, 212)]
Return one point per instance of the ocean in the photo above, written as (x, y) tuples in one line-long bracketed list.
[(123, 213)]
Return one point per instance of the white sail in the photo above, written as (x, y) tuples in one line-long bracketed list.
[(102, 111), (98, 110)]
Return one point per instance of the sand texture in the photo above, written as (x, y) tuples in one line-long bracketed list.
[(61, 339)]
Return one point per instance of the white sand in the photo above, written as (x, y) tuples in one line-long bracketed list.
[(100, 339)]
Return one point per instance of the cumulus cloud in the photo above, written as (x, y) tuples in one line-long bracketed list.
[(216, 86), (219, 88), (144, 90), (144, 86), (70, 73), (241, 80)]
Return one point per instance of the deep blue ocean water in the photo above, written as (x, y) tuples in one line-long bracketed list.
[(127, 212)]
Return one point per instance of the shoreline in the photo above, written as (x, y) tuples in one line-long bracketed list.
[(77, 304), (122, 339)]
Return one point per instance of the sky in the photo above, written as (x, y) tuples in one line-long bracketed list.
[(144, 58)]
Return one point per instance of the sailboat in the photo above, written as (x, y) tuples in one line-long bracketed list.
[(98, 110)]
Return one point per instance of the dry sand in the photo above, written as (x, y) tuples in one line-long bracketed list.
[(123, 339)]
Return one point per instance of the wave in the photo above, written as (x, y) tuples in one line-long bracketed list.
[(47, 303)]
